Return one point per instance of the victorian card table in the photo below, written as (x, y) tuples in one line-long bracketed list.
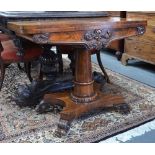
[(84, 34)]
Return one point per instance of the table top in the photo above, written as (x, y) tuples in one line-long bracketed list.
[(72, 24), (93, 30), (31, 22)]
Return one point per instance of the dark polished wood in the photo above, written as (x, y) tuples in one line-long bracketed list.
[(86, 34), (123, 14)]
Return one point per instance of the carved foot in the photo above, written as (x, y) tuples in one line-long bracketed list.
[(123, 108), (45, 107), (62, 129), (31, 95), (25, 95)]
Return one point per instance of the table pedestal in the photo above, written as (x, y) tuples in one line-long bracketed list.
[(86, 96)]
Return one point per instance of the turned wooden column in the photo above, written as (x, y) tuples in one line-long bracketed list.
[(83, 90)]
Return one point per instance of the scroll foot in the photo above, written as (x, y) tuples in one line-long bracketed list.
[(123, 108), (44, 107)]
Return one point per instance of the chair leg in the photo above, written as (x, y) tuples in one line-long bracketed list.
[(71, 56), (19, 67), (41, 74), (2, 74), (102, 67), (28, 70), (59, 53)]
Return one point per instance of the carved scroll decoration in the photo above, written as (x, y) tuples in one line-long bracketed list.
[(97, 39), (41, 38)]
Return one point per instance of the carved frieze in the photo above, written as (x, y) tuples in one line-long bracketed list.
[(41, 38), (98, 38)]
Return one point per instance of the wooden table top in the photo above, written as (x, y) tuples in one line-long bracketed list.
[(72, 24)]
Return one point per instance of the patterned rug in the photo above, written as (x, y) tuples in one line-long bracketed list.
[(26, 126)]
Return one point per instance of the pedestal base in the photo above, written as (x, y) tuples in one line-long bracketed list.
[(72, 110)]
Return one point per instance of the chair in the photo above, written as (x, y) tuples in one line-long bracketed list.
[(8, 55)]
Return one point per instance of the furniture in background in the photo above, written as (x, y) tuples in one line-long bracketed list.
[(117, 46), (8, 55), (141, 47), (138, 47)]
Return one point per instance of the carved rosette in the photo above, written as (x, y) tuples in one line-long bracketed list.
[(41, 38), (97, 39), (141, 30)]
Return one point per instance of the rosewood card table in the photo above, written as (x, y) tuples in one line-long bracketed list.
[(85, 34)]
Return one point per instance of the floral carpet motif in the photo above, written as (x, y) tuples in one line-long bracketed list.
[(24, 125)]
